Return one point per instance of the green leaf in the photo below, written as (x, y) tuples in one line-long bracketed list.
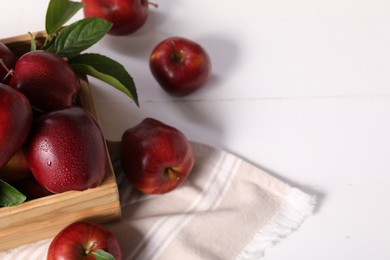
[(59, 12), (80, 35), (107, 70), (103, 255), (9, 196)]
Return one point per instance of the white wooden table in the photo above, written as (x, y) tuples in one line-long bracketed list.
[(300, 88)]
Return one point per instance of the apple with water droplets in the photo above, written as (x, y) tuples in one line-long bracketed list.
[(66, 150)]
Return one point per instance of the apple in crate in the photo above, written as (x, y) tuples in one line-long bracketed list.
[(46, 79), (66, 151), (16, 168), (181, 66), (156, 157), (15, 122), (84, 240)]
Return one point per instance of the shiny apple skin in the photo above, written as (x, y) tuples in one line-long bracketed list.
[(180, 66), (9, 60), (72, 241), (127, 16), (66, 151), (46, 79), (15, 122), (156, 158)]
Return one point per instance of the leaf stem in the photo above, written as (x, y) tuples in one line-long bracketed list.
[(10, 72)]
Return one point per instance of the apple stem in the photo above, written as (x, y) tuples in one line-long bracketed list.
[(10, 72), (176, 55), (91, 247), (172, 174), (155, 5)]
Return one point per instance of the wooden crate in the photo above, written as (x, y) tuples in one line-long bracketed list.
[(45, 217)]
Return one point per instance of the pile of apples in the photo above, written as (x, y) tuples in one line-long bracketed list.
[(61, 143), (49, 144)]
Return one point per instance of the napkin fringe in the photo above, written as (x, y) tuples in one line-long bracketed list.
[(296, 207)]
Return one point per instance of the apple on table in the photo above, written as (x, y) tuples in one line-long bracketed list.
[(84, 240), (127, 16), (180, 66), (156, 157)]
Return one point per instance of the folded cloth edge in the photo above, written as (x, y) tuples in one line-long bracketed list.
[(296, 207)]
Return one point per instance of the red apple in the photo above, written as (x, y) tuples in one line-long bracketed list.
[(46, 79), (156, 157), (16, 168), (81, 240), (127, 16), (31, 188), (7, 62), (180, 66), (15, 122), (66, 151)]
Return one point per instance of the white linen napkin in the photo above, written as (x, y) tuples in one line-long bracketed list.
[(227, 209)]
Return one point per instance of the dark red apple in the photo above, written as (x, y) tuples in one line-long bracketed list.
[(66, 151), (7, 63), (16, 168), (31, 188), (180, 66), (81, 240), (15, 122), (46, 79), (127, 16), (156, 157)]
